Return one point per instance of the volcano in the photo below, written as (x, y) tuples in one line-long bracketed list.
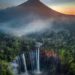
[(21, 18), (35, 6), (31, 7)]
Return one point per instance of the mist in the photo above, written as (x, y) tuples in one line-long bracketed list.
[(32, 25), (21, 28)]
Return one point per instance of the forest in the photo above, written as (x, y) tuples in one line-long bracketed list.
[(61, 43)]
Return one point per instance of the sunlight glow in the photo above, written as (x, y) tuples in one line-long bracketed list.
[(64, 9)]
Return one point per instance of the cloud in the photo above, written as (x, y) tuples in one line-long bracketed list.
[(10, 3), (4, 5), (25, 29), (58, 1)]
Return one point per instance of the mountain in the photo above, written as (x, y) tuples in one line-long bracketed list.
[(30, 7), (33, 17)]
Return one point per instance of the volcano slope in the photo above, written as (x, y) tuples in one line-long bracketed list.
[(33, 17)]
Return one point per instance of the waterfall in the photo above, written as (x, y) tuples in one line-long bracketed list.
[(38, 45), (25, 65), (34, 62), (38, 60)]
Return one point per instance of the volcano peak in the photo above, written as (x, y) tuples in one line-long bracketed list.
[(33, 0)]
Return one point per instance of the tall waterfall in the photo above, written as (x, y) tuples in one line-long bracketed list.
[(25, 65), (38, 60), (38, 45), (34, 57)]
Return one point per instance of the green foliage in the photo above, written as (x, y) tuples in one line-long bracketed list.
[(4, 68), (63, 43), (67, 61)]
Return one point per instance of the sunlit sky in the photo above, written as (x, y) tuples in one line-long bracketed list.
[(63, 6)]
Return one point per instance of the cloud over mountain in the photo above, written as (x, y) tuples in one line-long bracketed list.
[(33, 17)]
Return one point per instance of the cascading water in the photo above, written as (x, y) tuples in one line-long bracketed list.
[(24, 62), (38, 58), (35, 62), (38, 61)]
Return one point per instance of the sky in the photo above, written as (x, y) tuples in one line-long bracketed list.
[(63, 6)]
